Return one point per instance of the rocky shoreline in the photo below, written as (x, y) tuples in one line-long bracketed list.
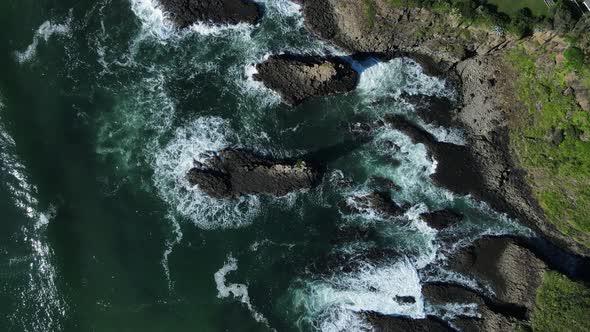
[(486, 88), (507, 271), (483, 168)]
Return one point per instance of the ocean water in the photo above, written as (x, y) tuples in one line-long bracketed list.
[(104, 106)]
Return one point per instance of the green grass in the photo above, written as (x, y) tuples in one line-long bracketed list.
[(511, 7), (370, 12), (558, 173), (561, 305)]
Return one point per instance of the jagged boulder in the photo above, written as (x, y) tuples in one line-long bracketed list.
[(297, 77), (187, 12), (231, 173)]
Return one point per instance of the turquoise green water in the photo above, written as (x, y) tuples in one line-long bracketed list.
[(104, 109)]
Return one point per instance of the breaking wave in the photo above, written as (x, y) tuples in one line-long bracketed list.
[(334, 303), (195, 142), (39, 303)]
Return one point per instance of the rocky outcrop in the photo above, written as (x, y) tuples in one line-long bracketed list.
[(186, 12), (297, 77), (509, 269), (436, 41), (442, 219), (232, 173), (455, 169), (493, 315)]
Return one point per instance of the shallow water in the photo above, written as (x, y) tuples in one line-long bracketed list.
[(103, 108)]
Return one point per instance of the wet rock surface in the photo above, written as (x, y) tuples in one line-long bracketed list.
[(384, 323), (187, 12), (442, 219), (297, 77), (379, 202), (455, 169), (503, 265), (232, 173)]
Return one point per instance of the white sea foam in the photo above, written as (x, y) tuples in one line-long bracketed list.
[(257, 89), (156, 23), (154, 20), (450, 311), (391, 78), (414, 170), (448, 135), (239, 291), (332, 304), (282, 8), (195, 142), (44, 33), (170, 243)]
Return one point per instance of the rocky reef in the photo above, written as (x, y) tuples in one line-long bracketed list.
[(232, 173), (298, 77), (507, 271), (186, 12)]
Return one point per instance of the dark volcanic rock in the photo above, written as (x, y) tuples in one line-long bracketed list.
[(455, 169), (384, 323), (233, 173), (187, 12), (380, 202), (432, 109), (442, 219), (511, 270), (297, 78)]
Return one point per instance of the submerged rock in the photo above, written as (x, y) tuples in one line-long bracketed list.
[(379, 202), (232, 173), (442, 219), (297, 77), (187, 12)]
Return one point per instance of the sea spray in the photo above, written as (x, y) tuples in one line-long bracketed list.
[(45, 31), (334, 302), (195, 143)]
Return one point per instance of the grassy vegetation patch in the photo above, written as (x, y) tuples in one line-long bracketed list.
[(552, 142), (370, 12), (511, 7), (561, 305)]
